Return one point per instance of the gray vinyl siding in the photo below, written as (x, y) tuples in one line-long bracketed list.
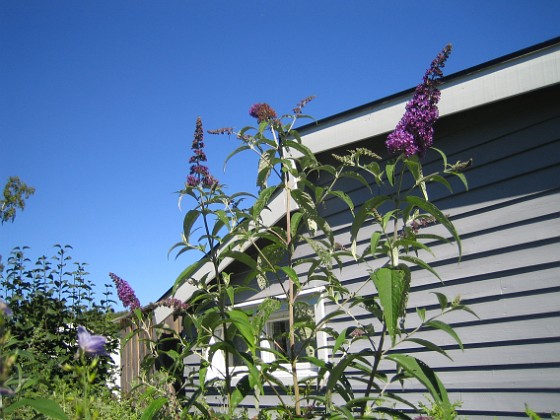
[(509, 273)]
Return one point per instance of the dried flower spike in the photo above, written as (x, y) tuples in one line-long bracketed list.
[(301, 104), (262, 112)]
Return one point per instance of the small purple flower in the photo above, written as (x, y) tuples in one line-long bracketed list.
[(125, 293), (92, 345), (262, 112), (5, 309), (414, 133), (7, 392)]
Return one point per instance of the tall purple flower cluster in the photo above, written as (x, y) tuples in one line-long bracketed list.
[(414, 133), (125, 293), (199, 175)]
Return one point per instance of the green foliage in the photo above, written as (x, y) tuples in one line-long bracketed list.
[(534, 416), (247, 352), (437, 411), (14, 195), (48, 300)]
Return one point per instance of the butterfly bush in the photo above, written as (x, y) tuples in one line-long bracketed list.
[(125, 293), (415, 131)]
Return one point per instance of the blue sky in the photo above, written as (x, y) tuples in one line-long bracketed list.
[(98, 100)]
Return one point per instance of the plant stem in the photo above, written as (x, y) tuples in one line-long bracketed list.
[(292, 295), (376, 361), (221, 302)]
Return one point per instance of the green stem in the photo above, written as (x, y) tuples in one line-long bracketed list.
[(292, 294), (221, 301), (377, 359)]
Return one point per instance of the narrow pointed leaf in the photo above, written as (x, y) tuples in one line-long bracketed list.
[(153, 408), (392, 286), (44, 406), (361, 217), (440, 217), (429, 345), (440, 325), (425, 375)]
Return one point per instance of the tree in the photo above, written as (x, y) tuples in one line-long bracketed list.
[(15, 194)]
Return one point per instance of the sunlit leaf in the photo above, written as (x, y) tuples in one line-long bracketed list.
[(361, 217), (44, 406), (425, 375), (439, 216), (392, 285), (153, 408)]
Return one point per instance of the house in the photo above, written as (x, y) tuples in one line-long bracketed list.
[(505, 115)]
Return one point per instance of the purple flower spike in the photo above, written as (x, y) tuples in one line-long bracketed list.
[(199, 175), (125, 293), (414, 133), (92, 345)]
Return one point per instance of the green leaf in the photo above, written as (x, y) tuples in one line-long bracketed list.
[(429, 345), (295, 221), (235, 152), (358, 177), (421, 313), (304, 150), (153, 408), (266, 163), (440, 217), (243, 324), (425, 375), (241, 390), (188, 222), (362, 215), (241, 257), (442, 299), (420, 263), (532, 415), (390, 171), (392, 285), (188, 272), (340, 340), (442, 181), (440, 325), (307, 205), (262, 201), (291, 273), (346, 198), (373, 243), (44, 406)]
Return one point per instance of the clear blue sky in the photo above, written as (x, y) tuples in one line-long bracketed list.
[(98, 100)]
